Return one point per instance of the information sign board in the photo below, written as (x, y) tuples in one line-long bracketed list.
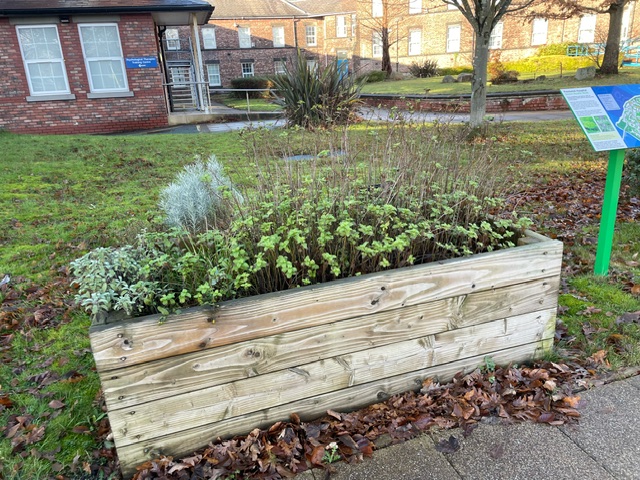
[(609, 116), (141, 62)]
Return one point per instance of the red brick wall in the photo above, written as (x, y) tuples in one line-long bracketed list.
[(494, 105), (229, 55), (146, 109)]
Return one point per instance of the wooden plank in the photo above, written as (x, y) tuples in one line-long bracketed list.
[(310, 408), (180, 412), (136, 341), (169, 377)]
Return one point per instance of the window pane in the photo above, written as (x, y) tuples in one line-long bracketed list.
[(209, 37), (495, 41), (278, 36), (101, 41), (172, 38), (47, 77), (311, 35), (415, 6), (244, 37), (103, 57), (214, 74), (453, 38), (40, 43), (377, 9), (415, 41), (106, 74)]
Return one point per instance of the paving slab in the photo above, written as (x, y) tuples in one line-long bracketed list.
[(634, 381), (233, 126), (522, 451), (411, 460), (609, 430)]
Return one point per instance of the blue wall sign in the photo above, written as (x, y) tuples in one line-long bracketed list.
[(142, 62)]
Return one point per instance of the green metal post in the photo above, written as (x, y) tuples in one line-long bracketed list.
[(609, 210)]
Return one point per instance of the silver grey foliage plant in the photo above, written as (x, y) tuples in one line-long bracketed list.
[(196, 199)]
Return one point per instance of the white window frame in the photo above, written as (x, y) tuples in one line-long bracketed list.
[(59, 61), (539, 31), (626, 19), (453, 40), (415, 41), (278, 36), (415, 6), (312, 65), (209, 38), (172, 38), (210, 76), (377, 8), (247, 72), (353, 24), (279, 67), (495, 40), (587, 28), (341, 26), (120, 58), (244, 37), (376, 45), (311, 34)]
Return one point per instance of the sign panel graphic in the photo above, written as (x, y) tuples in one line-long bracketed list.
[(609, 116)]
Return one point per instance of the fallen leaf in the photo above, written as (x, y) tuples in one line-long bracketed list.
[(56, 404), (452, 445), (629, 317), (496, 451)]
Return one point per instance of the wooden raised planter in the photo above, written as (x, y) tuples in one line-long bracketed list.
[(174, 386)]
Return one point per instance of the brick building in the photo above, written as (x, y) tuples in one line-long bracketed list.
[(421, 29), (255, 38), (86, 67)]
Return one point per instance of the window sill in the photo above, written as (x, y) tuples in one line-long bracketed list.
[(50, 98), (110, 94)]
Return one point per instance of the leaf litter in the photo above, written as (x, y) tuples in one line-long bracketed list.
[(542, 393)]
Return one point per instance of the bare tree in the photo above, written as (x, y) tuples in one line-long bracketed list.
[(483, 16), (615, 10), (378, 19)]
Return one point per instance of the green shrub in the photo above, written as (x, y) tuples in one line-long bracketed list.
[(414, 196), (317, 98), (549, 64), (454, 71), (373, 77), (199, 198), (554, 49), (631, 172), (254, 83), (428, 68)]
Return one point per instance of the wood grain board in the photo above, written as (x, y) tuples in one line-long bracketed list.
[(310, 408), (137, 384), (209, 372), (145, 339)]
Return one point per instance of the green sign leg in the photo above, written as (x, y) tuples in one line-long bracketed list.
[(609, 210)]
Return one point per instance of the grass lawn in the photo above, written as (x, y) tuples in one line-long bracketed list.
[(434, 84), (63, 195)]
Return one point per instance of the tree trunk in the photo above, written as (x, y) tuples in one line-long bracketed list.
[(386, 56), (612, 48), (479, 82)]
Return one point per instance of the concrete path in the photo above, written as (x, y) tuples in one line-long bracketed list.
[(368, 114), (604, 445)]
